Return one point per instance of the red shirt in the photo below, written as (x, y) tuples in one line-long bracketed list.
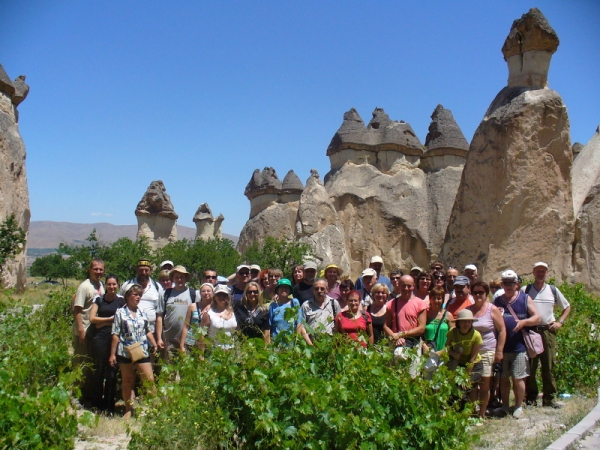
[(352, 327), (405, 313)]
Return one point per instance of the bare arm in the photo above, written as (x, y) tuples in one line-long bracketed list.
[(302, 331), (158, 331), (113, 350), (99, 321), (267, 336), (533, 319), (501, 331), (186, 326), (559, 323), (77, 310), (370, 333)]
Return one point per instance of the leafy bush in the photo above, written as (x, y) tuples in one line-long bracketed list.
[(578, 341), (35, 375), (277, 253), (12, 239), (333, 395)]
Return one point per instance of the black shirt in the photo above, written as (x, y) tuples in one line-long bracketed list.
[(106, 309), (303, 292), (250, 324)]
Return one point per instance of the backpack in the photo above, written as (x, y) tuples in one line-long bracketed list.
[(133, 281), (552, 288), (169, 291)]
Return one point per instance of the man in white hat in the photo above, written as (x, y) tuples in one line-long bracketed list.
[(470, 272), (376, 264), (167, 265), (515, 363), (242, 278), (545, 296), (369, 279), (303, 291)]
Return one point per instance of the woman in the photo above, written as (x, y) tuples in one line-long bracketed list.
[(379, 312), (490, 324), (462, 345), (439, 280), (101, 318), (437, 327), (164, 279), (422, 285), (274, 275), (194, 315), (345, 287), (131, 326), (277, 308), (263, 279), (219, 320), (332, 275), (251, 314), (297, 274), (353, 321)]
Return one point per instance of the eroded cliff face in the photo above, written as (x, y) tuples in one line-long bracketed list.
[(14, 194)]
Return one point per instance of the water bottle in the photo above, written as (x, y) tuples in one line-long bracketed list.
[(564, 395)]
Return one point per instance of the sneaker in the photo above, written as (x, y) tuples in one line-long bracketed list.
[(499, 412), (552, 404), (518, 413), (531, 403)]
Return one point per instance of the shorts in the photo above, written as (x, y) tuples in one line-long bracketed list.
[(515, 365), (487, 358), (123, 360), (476, 372)]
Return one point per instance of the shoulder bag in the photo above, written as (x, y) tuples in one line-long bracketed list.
[(533, 340)]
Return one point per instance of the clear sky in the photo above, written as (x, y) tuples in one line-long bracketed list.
[(199, 94)]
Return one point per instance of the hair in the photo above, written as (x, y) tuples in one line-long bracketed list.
[(437, 291), (320, 279), (262, 274), (496, 284), (355, 292), (423, 274), (437, 262), (95, 261), (347, 283), (275, 272), (207, 284), (396, 272), (133, 289), (164, 275), (297, 266), (483, 284), (253, 284), (209, 269), (111, 276), (380, 287)]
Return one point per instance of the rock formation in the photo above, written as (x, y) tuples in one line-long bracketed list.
[(207, 227), (13, 177), (586, 169), (156, 216), (514, 203)]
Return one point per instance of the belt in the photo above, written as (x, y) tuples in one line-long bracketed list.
[(542, 328)]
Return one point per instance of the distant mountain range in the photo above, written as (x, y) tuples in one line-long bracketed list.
[(45, 234)]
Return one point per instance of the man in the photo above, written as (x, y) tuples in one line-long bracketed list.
[(515, 363), (242, 278), (375, 264), (254, 272), (396, 278), (210, 276), (462, 298), (451, 275), (173, 306), (152, 291), (545, 297), (318, 313), (167, 265), (407, 315), (436, 266), (415, 272), (470, 272), (84, 299), (303, 291), (369, 279)]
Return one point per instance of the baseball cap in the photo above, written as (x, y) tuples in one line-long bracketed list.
[(242, 266), (471, 267), (540, 264), (221, 288), (376, 259), (255, 267), (164, 263), (416, 268), (461, 280), (310, 265), (509, 275), (368, 273)]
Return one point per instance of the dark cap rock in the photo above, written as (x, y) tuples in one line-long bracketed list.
[(291, 183), (444, 132), (21, 90), (263, 182), (156, 201), (381, 133), (203, 213), (6, 85), (531, 32)]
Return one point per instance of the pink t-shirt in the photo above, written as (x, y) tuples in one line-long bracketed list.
[(405, 313)]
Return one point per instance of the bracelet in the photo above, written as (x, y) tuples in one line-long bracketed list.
[(561, 321)]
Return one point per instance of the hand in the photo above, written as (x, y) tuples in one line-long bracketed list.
[(518, 327), (81, 336), (498, 356), (160, 344), (555, 325), (112, 360), (182, 350), (400, 342)]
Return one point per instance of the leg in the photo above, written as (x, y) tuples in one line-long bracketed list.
[(519, 390), (505, 391), (531, 382), (97, 352), (548, 359), (127, 380), (484, 395), (145, 371)]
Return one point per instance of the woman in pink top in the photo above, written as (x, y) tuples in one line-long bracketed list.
[(490, 324), (423, 283), (353, 322)]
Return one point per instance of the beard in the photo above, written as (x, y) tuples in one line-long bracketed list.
[(143, 278)]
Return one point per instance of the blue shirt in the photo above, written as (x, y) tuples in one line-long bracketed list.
[(277, 316)]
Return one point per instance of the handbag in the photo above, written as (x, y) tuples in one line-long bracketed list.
[(533, 340), (135, 351)]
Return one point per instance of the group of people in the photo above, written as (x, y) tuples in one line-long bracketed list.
[(435, 312)]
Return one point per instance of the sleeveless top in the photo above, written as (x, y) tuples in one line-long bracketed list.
[(485, 326), (514, 341), (432, 326), (221, 330), (378, 323)]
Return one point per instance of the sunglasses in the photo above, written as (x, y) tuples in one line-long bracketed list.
[(320, 289), (395, 278), (253, 292), (478, 292), (244, 274), (439, 277), (210, 277), (508, 283)]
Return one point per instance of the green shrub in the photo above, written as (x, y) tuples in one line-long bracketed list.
[(333, 395), (35, 375), (578, 341)]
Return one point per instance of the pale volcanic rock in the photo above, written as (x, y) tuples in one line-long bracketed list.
[(21, 90), (528, 49), (277, 220), (576, 148), (157, 219), (383, 142), (586, 251), (586, 170), (14, 194), (207, 227), (318, 225), (514, 203)]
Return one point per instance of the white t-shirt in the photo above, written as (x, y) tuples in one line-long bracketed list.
[(544, 300), (149, 303)]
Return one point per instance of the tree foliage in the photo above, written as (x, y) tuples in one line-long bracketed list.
[(12, 240), (55, 266), (277, 253)]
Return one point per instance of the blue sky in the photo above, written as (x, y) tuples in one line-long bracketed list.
[(199, 94)]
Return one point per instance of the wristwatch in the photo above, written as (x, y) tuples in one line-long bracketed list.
[(561, 322)]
